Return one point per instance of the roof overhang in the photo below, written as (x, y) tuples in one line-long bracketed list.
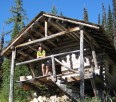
[(57, 24)]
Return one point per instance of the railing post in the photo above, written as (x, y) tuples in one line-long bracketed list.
[(11, 93), (81, 66), (53, 68)]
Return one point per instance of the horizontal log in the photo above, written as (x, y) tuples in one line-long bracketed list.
[(55, 55), (25, 54), (69, 35), (73, 21), (41, 35), (33, 60), (49, 37)]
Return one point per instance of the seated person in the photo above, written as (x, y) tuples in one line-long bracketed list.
[(45, 64)]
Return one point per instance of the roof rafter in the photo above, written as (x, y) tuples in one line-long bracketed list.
[(49, 37)]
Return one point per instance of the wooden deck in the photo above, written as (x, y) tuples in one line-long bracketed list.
[(69, 77)]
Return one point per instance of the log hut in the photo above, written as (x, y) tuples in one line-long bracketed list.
[(82, 55)]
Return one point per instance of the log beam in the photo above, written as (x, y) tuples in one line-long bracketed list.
[(11, 93), (72, 21), (46, 28), (44, 36), (69, 35), (32, 69), (49, 37), (81, 66), (25, 54), (55, 55)]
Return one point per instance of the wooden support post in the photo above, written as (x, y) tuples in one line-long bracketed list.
[(46, 28), (94, 57), (53, 68), (32, 69), (81, 66), (11, 93), (94, 87)]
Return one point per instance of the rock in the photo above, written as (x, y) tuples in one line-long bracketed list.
[(35, 100), (40, 99)]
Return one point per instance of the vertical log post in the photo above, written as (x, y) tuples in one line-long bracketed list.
[(32, 69), (11, 93), (53, 68), (81, 66), (96, 67), (94, 57), (94, 87), (46, 28)]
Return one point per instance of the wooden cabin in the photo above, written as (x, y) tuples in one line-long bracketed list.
[(82, 55)]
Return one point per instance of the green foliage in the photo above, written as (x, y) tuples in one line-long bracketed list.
[(54, 11), (19, 94), (17, 18), (114, 21), (85, 15), (4, 92), (99, 19), (61, 14), (103, 16), (110, 24)]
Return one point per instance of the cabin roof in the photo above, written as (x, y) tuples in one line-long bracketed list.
[(36, 30)]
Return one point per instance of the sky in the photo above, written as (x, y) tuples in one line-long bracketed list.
[(69, 8)]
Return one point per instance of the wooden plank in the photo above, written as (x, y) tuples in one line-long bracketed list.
[(73, 21), (94, 57), (32, 48), (81, 66), (11, 93), (94, 87), (49, 37), (25, 54), (43, 45), (76, 77), (74, 35), (53, 69), (65, 66), (32, 69), (33, 60), (43, 36), (42, 28), (46, 28), (69, 35), (91, 38)]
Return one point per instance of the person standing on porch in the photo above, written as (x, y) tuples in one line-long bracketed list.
[(41, 53)]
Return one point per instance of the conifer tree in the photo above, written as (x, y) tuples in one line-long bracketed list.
[(1, 57), (99, 21), (54, 10), (17, 19), (110, 23), (103, 16), (61, 14), (114, 19), (85, 15)]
